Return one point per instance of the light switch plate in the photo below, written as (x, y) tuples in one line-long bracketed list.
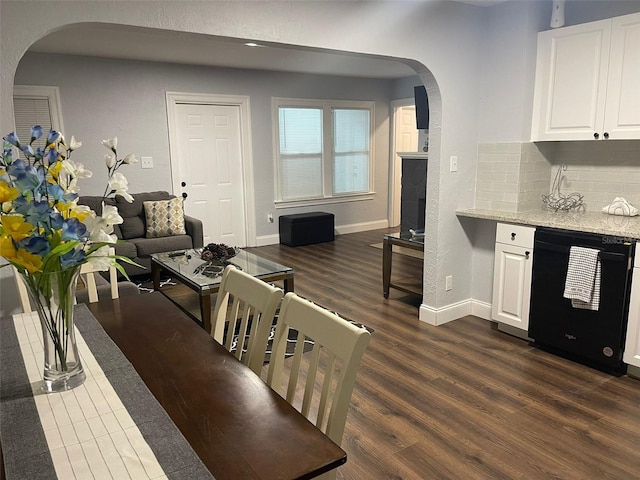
[(453, 163), (146, 162)]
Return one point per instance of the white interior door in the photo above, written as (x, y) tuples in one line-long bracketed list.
[(405, 139), (210, 170)]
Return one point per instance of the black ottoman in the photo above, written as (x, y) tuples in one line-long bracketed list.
[(306, 228)]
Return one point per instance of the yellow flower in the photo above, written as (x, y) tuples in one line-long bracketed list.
[(31, 262), (7, 193), (73, 210), (16, 227), (7, 250), (54, 171)]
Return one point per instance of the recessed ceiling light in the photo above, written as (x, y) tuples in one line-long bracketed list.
[(251, 44)]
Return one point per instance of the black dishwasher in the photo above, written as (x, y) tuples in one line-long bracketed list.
[(593, 337)]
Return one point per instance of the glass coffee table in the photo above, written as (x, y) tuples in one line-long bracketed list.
[(204, 276), (404, 240)]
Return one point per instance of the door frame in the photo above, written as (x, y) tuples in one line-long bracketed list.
[(241, 101), (395, 168)]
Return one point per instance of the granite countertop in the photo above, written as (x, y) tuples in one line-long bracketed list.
[(593, 222)]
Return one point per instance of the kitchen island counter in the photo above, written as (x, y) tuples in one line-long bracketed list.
[(592, 222)]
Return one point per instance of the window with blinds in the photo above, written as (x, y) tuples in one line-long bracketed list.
[(312, 164), (35, 105), (29, 112)]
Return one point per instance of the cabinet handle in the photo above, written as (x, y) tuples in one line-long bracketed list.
[(596, 135), (606, 135), (526, 255), (513, 236)]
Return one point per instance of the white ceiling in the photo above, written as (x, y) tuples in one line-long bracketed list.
[(118, 41), (133, 43)]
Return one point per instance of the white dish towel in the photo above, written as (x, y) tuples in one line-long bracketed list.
[(582, 285)]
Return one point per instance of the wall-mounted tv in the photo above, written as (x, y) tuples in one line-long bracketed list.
[(422, 107)]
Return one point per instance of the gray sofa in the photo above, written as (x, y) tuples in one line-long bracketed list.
[(132, 241)]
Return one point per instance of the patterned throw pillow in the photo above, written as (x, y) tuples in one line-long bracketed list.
[(164, 218)]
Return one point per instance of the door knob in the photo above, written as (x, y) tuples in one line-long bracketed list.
[(513, 235), (184, 195), (596, 135), (606, 134), (184, 184), (526, 255)]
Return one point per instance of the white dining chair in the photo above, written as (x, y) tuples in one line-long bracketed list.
[(246, 306), (330, 367), (23, 293), (87, 273)]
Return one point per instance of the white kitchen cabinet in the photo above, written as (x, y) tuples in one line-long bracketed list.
[(512, 276), (631, 354), (586, 81)]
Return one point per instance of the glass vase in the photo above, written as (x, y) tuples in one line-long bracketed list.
[(53, 296)]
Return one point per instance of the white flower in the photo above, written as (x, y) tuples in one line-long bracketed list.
[(76, 170), (110, 143), (131, 158), (109, 161), (110, 215), (71, 186), (99, 230), (100, 260), (119, 185), (74, 144)]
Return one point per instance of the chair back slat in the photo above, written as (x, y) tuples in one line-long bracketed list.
[(247, 306), (332, 363)]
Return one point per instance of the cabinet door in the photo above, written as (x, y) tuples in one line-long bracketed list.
[(622, 113), (512, 285), (632, 346), (571, 80)]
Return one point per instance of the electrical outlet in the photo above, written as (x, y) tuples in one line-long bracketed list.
[(448, 282), (270, 217), (453, 163), (146, 162)]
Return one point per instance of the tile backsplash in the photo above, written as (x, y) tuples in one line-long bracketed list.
[(513, 176)]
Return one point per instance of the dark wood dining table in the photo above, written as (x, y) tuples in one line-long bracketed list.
[(238, 426)]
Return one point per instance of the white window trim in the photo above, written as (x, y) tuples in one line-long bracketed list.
[(52, 94), (326, 105)]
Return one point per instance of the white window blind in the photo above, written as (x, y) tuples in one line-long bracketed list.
[(300, 152), (36, 105), (351, 151), (30, 112), (315, 165)]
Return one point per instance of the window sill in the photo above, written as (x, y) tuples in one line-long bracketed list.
[(308, 202)]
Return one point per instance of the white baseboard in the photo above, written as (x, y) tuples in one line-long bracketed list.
[(362, 227), (273, 239), (265, 240), (481, 309), (454, 311)]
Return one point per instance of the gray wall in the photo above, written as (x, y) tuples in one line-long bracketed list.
[(477, 93), (107, 97)]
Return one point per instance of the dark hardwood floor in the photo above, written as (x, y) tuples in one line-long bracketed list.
[(462, 400)]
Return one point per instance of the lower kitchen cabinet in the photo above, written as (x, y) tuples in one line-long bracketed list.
[(632, 346), (512, 275)]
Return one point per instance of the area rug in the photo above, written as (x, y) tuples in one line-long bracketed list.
[(145, 283), (292, 338), (401, 250)]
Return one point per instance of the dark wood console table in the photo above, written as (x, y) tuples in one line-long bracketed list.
[(413, 287)]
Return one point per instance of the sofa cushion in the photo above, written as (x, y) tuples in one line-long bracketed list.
[(164, 218), (132, 213), (126, 249), (147, 246)]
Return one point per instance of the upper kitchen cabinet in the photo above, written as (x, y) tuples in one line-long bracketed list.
[(587, 79)]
